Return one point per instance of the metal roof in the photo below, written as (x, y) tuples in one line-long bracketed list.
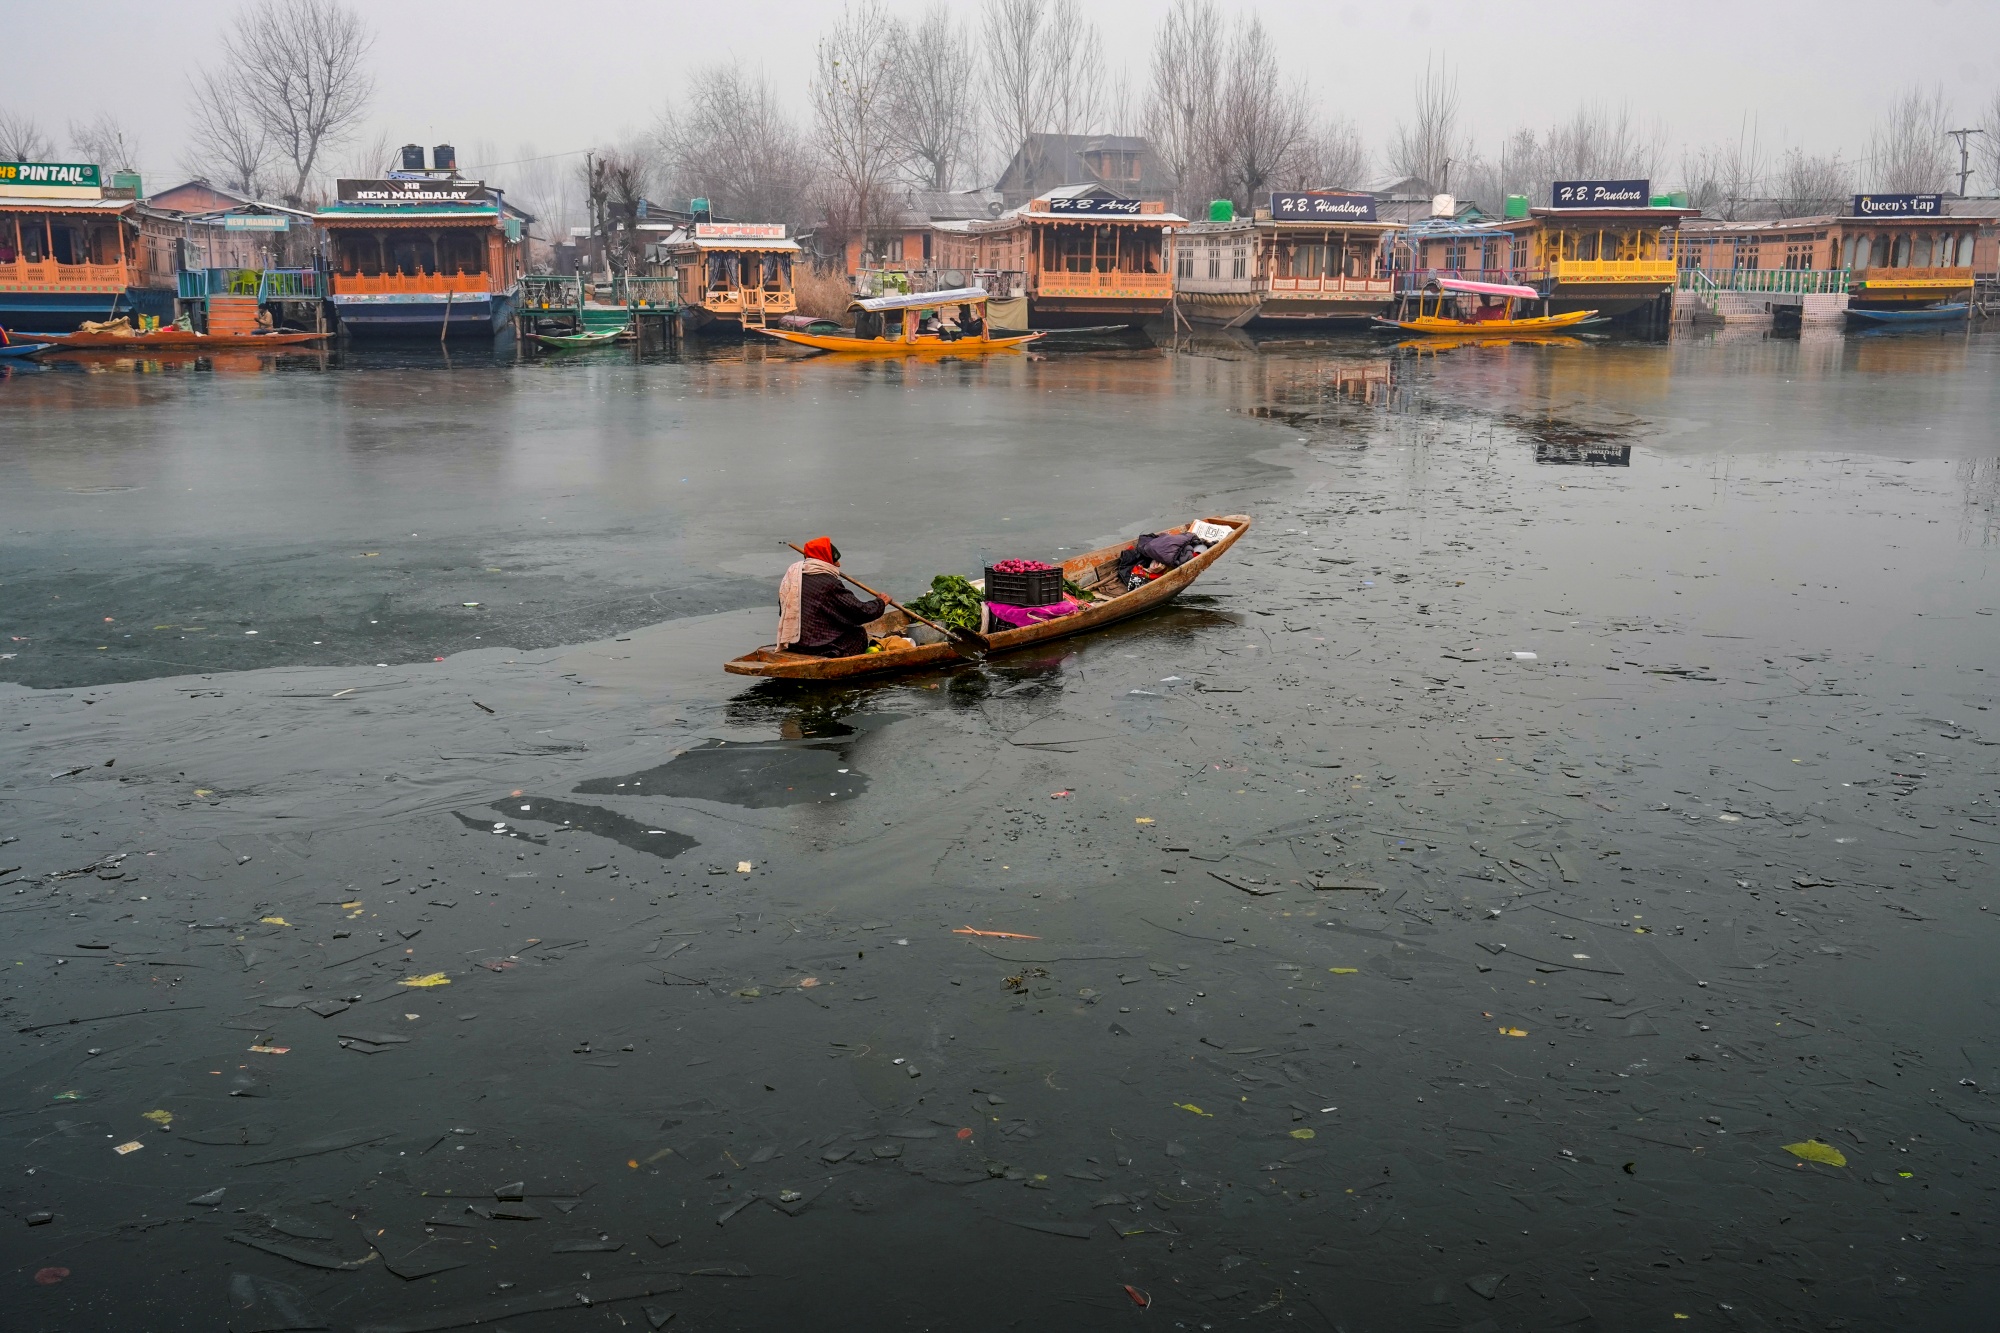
[(389, 216), (728, 242), (921, 300), (69, 205)]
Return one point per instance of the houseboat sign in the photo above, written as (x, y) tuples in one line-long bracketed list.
[(73, 175), (1322, 206), (1897, 205), (256, 222), (1122, 208), (739, 231), (413, 192), (1601, 194)]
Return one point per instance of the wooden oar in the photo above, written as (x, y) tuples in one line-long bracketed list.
[(965, 642)]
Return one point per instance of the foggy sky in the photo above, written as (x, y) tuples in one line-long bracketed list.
[(565, 77)]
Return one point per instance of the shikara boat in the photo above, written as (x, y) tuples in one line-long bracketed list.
[(1457, 308), (22, 350), (172, 340), (1095, 571), (574, 342), (1931, 314), (895, 326)]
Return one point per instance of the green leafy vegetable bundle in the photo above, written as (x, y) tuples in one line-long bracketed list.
[(951, 601)]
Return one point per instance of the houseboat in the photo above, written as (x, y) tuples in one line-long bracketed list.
[(730, 276), (1889, 258), (1082, 256), (72, 250), (432, 257), (1604, 246), (1311, 259)]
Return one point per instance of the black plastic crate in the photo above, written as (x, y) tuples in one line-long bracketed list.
[(1040, 587)]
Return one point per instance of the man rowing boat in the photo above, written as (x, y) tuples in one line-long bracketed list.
[(817, 615)]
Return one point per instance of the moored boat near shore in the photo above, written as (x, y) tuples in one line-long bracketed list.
[(912, 324), (1094, 571), (1452, 307)]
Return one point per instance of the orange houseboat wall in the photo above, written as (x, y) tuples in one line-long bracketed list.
[(58, 267), (1890, 261), (905, 250), (379, 258), (1080, 270), (991, 251)]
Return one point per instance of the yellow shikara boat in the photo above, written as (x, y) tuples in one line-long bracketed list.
[(1458, 308), (914, 324)]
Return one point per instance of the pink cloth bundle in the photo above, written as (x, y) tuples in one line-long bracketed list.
[(1001, 615)]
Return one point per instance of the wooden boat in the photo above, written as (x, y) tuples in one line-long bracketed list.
[(1447, 306), (22, 349), (1935, 314), (1096, 571), (573, 342), (894, 326), (173, 340)]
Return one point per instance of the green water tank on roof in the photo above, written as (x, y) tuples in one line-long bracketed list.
[(1221, 210), (1517, 205)]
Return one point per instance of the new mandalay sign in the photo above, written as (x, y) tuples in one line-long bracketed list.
[(1601, 194), (422, 193), (1322, 206)]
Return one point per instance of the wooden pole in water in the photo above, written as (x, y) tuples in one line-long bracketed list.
[(446, 326)]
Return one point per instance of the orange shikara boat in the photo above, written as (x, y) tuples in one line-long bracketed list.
[(1094, 571), (1454, 307), (172, 340)]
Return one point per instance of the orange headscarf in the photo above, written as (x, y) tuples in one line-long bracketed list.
[(820, 548)]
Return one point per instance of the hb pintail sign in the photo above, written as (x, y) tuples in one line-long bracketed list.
[(58, 179), (1898, 205), (1601, 194)]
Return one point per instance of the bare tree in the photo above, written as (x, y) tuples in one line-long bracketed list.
[(546, 191), (1332, 157), (932, 98), (850, 94), (1015, 87), (1989, 142), (368, 159), (105, 141), (1121, 110), (1264, 121), (1719, 179), (299, 66), (1426, 145), (1909, 152), (22, 139), (1183, 98), (1071, 69), (226, 141), (1809, 184), (732, 143)]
